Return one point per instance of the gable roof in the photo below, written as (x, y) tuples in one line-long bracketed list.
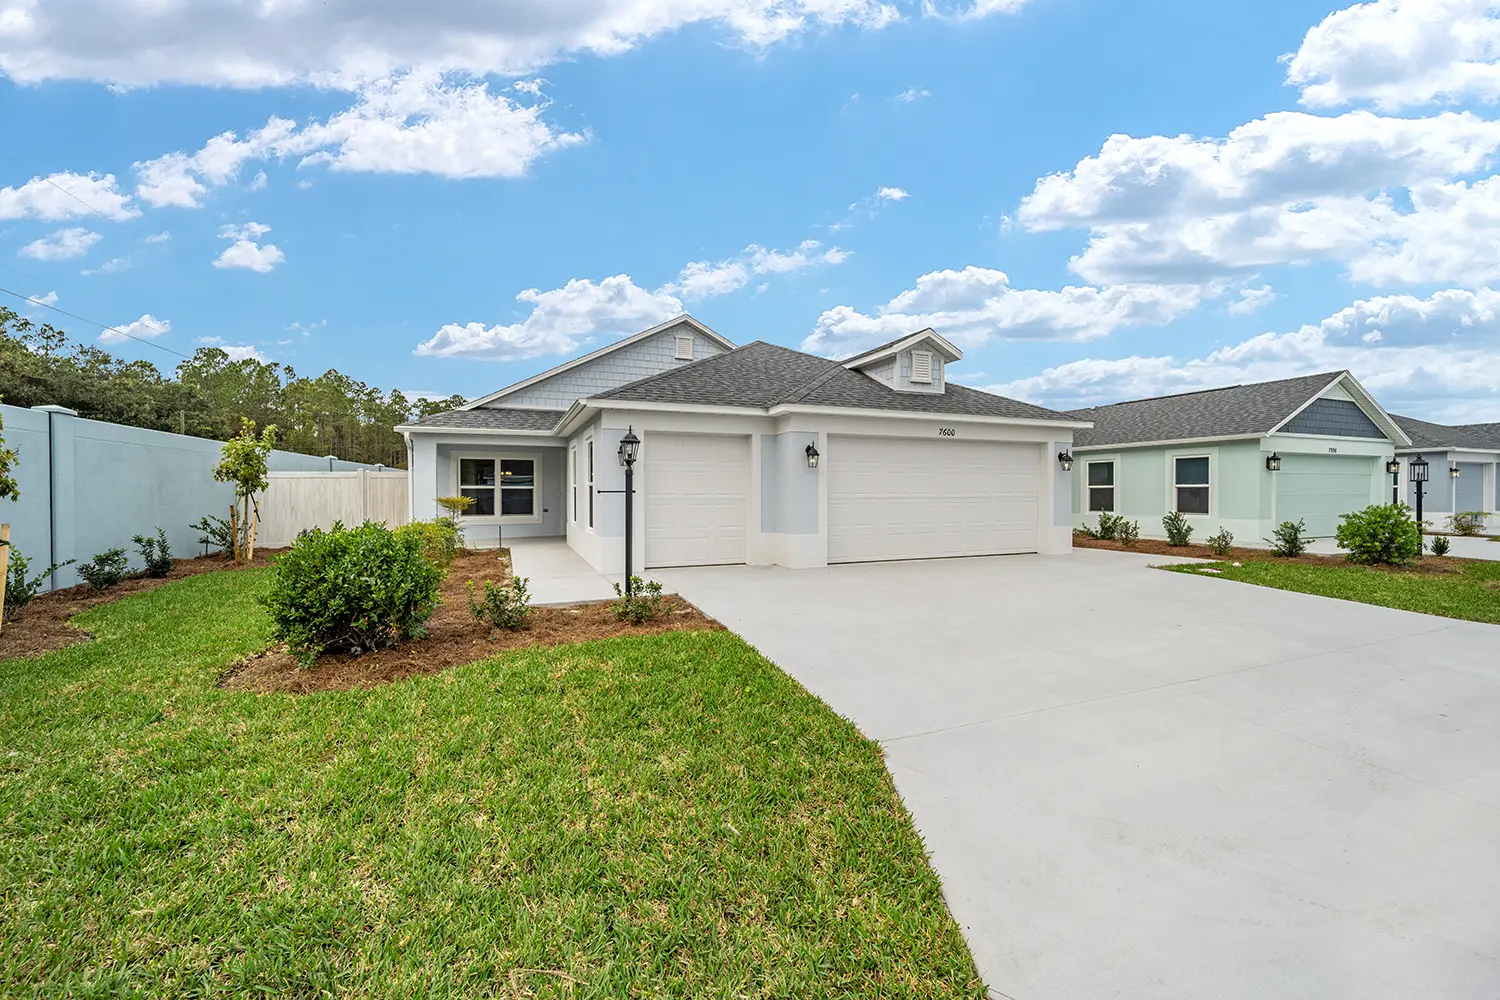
[(683, 320), (1233, 411), (503, 419), (1425, 434), (900, 344), (762, 376)]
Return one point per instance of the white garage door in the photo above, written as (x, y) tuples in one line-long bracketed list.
[(1319, 488), (696, 488), (913, 498)]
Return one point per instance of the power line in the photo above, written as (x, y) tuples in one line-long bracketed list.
[(95, 322), (48, 180)]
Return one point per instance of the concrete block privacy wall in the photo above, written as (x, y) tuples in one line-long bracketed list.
[(88, 486)]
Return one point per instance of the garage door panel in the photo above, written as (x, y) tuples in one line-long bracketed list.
[(696, 488), (1319, 489), (903, 498)]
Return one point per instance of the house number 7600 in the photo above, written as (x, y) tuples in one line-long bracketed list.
[(947, 432)]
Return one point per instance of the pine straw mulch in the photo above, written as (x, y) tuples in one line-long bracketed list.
[(1426, 565), (454, 637), (45, 623)]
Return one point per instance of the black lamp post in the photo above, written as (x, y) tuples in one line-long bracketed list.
[(1394, 468), (630, 447), (1418, 475)]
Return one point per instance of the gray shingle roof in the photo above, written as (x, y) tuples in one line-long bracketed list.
[(1228, 412), (1425, 434), (762, 375), (498, 419)]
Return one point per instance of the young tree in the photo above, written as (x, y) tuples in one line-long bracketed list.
[(8, 491), (244, 464)]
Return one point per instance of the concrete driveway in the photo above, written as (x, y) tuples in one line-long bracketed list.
[(1149, 785)]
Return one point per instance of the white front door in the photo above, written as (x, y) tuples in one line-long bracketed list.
[(921, 498), (696, 488)]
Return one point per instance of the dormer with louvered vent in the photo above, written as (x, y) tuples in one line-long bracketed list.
[(916, 363)]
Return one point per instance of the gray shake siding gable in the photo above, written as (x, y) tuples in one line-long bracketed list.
[(1334, 418), (650, 356)]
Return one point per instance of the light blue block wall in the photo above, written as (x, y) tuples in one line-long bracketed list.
[(104, 483)]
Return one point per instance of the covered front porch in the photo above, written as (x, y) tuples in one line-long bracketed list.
[(516, 482)]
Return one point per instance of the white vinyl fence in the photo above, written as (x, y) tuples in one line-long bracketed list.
[(296, 501)]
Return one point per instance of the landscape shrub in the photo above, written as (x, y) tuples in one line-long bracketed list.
[(1469, 522), (155, 553), (20, 589), (1440, 545), (1179, 532), (215, 533), (1221, 544), (438, 538), (351, 590), (1109, 525), (456, 508), (1127, 532), (502, 607), (644, 603), (1380, 534), (1289, 539), (106, 569)]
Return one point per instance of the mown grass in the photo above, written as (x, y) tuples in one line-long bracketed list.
[(1472, 593), (668, 816)]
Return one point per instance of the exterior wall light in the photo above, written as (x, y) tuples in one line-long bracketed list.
[(1065, 459), (1393, 467), (630, 447), (1453, 471), (1273, 462), (812, 456)]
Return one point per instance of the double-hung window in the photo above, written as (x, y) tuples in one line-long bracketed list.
[(503, 486), (590, 448), (1190, 483), (1101, 486), (573, 480)]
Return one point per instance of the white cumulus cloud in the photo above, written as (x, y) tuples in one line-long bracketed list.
[(1252, 300), (145, 328), (64, 244), (245, 252), (67, 196)]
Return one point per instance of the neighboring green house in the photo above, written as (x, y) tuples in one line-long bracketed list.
[(1245, 458)]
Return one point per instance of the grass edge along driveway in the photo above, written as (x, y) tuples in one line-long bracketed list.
[(1471, 594), (664, 816)]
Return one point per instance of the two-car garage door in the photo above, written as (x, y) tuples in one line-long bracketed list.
[(917, 498)]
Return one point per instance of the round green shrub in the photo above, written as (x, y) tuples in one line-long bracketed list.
[(1381, 533), (351, 590)]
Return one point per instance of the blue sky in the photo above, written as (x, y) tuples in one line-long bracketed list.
[(451, 202)]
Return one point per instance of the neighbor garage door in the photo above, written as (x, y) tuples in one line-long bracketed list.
[(1319, 488), (913, 498), (696, 488), (1468, 492)]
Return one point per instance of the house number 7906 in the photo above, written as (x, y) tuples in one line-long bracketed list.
[(947, 432)]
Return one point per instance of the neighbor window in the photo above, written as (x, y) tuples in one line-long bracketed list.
[(590, 448), (514, 479), (1191, 483), (1101, 486)]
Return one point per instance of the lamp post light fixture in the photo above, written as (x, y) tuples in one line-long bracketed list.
[(630, 448), (1394, 468), (1065, 459), (812, 456), (1273, 462), (1417, 470)]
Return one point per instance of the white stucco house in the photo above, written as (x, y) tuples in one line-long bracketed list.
[(757, 454)]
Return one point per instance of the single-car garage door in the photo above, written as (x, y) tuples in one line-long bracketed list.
[(696, 488), (1319, 489), (915, 498)]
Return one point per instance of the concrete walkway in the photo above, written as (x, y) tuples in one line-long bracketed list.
[(1142, 784), (555, 573)]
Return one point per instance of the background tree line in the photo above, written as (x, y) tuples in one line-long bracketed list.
[(207, 395)]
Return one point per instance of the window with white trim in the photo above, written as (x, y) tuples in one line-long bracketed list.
[(498, 486), (1190, 484), (1101, 486), (589, 445), (573, 480), (682, 347), (921, 367)]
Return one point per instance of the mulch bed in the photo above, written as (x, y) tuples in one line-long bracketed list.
[(454, 637), (44, 624), (1158, 547)]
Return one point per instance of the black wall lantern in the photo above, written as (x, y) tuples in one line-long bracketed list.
[(812, 456), (1065, 459), (1453, 472), (1394, 468), (1273, 462), (630, 447)]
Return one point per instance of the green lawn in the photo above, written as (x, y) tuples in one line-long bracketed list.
[(1472, 594), (657, 817)]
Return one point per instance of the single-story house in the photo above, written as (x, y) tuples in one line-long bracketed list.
[(1471, 449), (757, 454), (1245, 457)]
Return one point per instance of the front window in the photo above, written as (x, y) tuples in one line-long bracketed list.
[(573, 480), (1101, 486), (590, 449), (1191, 484), (513, 479)]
